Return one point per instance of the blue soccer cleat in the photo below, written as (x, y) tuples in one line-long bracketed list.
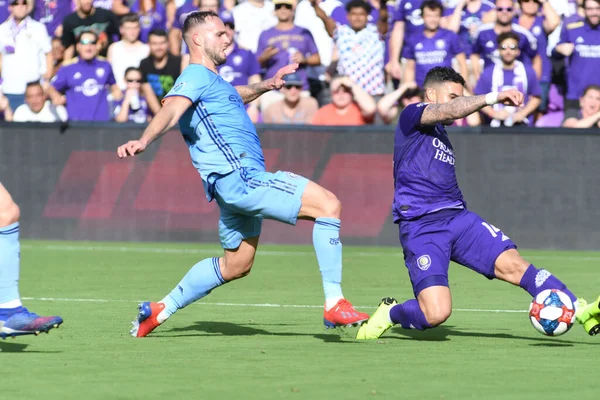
[(19, 321)]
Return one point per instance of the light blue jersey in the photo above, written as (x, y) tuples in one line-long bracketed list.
[(219, 134)]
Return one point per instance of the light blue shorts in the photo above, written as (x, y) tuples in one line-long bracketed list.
[(246, 196)]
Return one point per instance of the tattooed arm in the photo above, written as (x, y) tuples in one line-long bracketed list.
[(461, 107), (251, 92)]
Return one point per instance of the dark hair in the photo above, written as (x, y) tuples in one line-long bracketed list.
[(507, 35), (158, 32), (432, 5), (438, 75), (129, 69), (88, 32), (197, 18), (591, 87), (359, 4), (131, 17), (33, 84), (409, 93)]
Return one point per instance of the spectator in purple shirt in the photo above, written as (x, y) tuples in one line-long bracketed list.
[(153, 15), (133, 107), (511, 73), (283, 44), (486, 48), (51, 13), (580, 44), (83, 83), (540, 18), (432, 47), (406, 20), (466, 18)]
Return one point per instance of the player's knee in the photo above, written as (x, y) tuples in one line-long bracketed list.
[(9, 214), (437, 315), (332, 206)]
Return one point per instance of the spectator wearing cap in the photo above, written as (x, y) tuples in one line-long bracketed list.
[(360, 48), (37, 108), (88, 17), (26, 53), (241, 67), (293, 108), (129, 51), (350, 105), (83, 83), (589, 110), (284, 44), (252, 17)]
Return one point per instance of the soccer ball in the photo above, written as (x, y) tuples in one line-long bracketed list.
[(552, 312)]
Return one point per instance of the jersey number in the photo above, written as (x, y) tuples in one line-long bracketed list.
[(494, 231)]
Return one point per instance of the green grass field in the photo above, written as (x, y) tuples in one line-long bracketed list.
[(262, 337)]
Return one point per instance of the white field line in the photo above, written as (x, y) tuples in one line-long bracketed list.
[(279, 253), (267, 305)]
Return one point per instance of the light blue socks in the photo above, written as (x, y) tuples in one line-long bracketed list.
[(9, 266), (326, 239)]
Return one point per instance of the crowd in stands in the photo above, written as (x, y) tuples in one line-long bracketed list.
[(360, 61)]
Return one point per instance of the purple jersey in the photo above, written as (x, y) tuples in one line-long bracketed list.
[(51, 13), (240, 65), (435, 51), (151, 19), (496, 79), (4, 14), (470, 23), (584, 63), (538, 31), (139, 116), (486, 46), (182, 12), (339, 15), (409, 11), (85, 84), (424, 176), (288, 42)]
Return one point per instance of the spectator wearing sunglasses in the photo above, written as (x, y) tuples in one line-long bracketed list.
[(83, 83), (350, 105), (25, 53), (284, 44), (486, 48), (510, 74), (88, 17), (133, 107), (293, 108)]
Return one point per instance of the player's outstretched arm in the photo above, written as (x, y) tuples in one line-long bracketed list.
[(252, 92), (172, 109), (460, 107)]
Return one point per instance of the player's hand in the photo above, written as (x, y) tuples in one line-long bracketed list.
[(277, 81), (131, 148), (511, 97)]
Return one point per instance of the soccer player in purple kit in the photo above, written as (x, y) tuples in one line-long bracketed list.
[(435, 225)]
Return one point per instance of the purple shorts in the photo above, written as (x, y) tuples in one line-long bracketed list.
[(430, 242)]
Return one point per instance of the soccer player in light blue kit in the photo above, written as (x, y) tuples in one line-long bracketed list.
[(15, 320), (225, 148)]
